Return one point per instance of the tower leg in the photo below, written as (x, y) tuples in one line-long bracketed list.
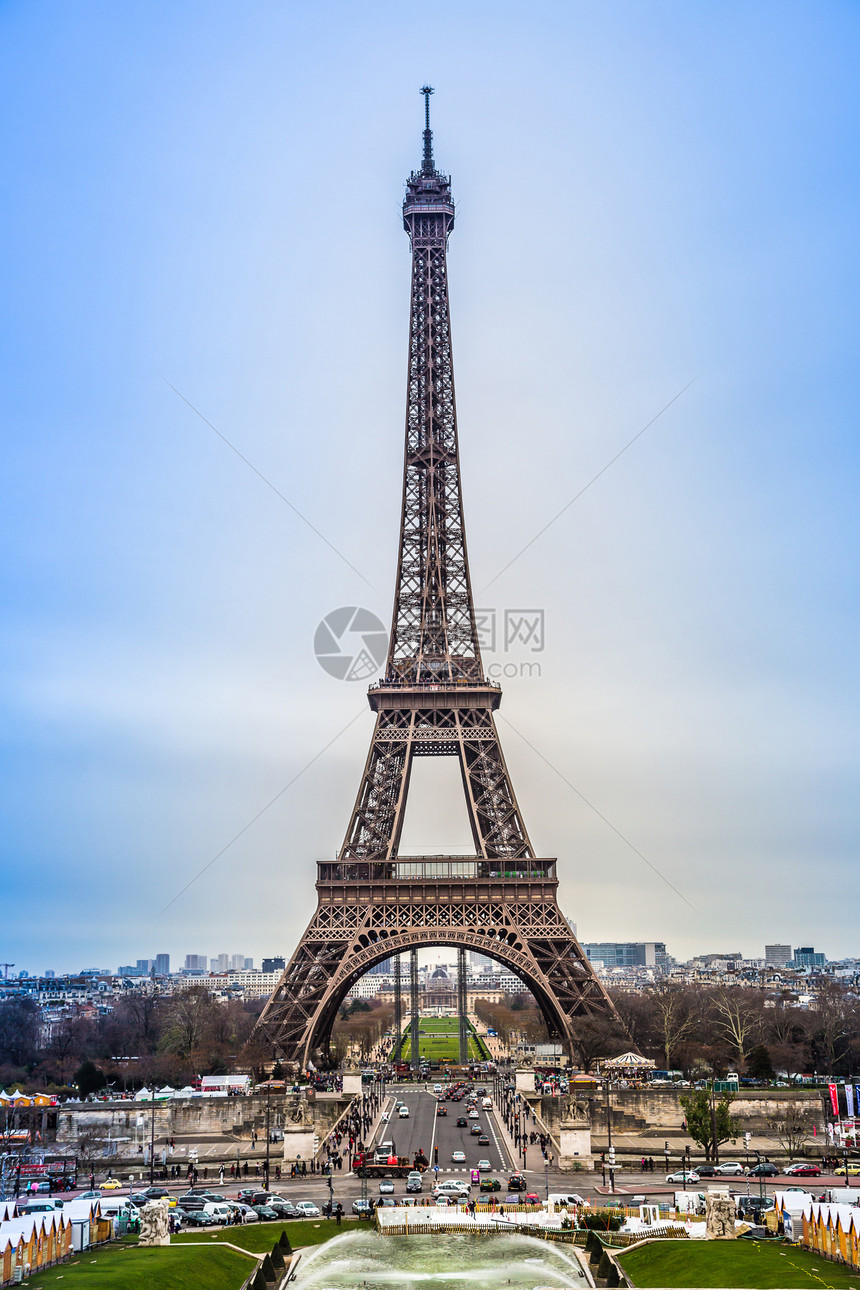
[(398, 1013), (413, 1006), (462, 1006)]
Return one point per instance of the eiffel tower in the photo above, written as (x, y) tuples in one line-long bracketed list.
[(433, 701)]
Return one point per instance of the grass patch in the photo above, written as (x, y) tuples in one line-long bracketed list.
[(124, 1267), (744, 1264), (439, 1040), (260, 1237)]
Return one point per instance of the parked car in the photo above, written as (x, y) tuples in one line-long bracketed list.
[(706, 1171), (114, 1184), (364, 1208), (265, 1213), (307, 1209), (729, 1168), (767, 1169), (803, 1170), (683, 1176), (283, 1208), (247, 1213), (387, 1202), (192, 1217), (152, 1193), (246, 1195)]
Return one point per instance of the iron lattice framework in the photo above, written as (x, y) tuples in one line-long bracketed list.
[(434, 700)]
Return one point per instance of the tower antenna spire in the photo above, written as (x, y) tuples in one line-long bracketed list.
[(427, 163)]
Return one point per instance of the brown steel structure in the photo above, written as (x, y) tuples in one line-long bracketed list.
[(434, 701)]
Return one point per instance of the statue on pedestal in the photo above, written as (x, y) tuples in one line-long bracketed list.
[(155, 1222)]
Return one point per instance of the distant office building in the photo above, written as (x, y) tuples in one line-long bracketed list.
[(237, 962), (161, 965), (144, 967), (777, 955), (248, 965), (627, 954), (479, 962), (49, 974), (273, 965), (219, 963), (382, 969), (126, 969), (196, 963), (805, 957)]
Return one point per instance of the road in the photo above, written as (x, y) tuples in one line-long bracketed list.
[(439, 1136)]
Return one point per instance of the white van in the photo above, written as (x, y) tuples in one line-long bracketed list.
[(487, 1103), (110, 1206), (216, 1211), (404, 1112), (567, 1198)]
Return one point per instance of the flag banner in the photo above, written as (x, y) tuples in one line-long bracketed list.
[(849, 1101), (834, 1099)]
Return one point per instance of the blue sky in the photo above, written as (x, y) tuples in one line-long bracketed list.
[(208, 196)]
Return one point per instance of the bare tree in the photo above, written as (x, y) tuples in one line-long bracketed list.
[(675, 1017), (736, 1019), (794, 1128)]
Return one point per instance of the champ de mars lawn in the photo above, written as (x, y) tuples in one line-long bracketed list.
[(746, 1265), (439, 1040)]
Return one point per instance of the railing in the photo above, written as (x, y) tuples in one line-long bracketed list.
[(425, 868)]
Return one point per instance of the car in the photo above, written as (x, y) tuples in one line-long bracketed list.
[(802, 1170), (458, 1157), (387, 1202), (512, 1198), (403, 1113), (452, 1187), (851, 1170), (707, 1171), (283, 1208), (364, 1208), (414, 1181), (490, 1184), (307, 1209), (473, 1114), (437, 1088), (531, 1198), (517, 1182), (386, 1187), (461, 1121), (484, 1166), (730, 1168), (483, 1140), (441, 1110), (194, 1218), (265, 1213), (113, 1184), (683, 1176), (476, 1130), (246, 1195), (766, 1169), (96, 1195), (247, 1213)]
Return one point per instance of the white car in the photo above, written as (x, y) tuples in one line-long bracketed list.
[(473, 1114), (458, 1157), (386, 1187), (453, 1188), (403, 1112), (484, 1166), (308, 1209), (683, 1176)]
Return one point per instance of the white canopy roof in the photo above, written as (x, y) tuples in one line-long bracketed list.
[(629, 1060)]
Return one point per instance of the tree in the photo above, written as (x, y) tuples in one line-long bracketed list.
[(596, 1037), (675, 1017), (89, 1079), (736, 1018), (794, 1127), (759, 1065), (709, 1121), (19, 1032)]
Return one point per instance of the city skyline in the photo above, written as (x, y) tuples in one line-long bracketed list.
[(653, 199)]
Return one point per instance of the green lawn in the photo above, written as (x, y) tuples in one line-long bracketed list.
[(260, 1237), (127, 1267), (439, 1040), (744, 1264)]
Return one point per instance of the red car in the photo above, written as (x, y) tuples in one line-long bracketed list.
[(803, 1171)]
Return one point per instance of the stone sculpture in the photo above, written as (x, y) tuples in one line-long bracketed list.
[(155, 1222), (720, 1216)]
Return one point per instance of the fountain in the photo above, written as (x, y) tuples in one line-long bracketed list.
[(367, 1261)]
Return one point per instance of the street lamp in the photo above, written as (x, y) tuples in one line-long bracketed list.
[(152, 1136), (268, 1131)]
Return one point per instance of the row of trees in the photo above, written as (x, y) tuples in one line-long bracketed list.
[(168, 1039), (707, 1030)]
